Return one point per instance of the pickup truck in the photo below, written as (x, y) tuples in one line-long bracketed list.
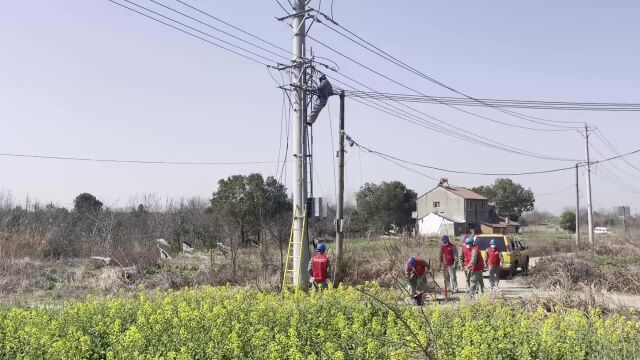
[(514, 253)]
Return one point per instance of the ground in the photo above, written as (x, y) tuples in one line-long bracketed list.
[(381, 260)]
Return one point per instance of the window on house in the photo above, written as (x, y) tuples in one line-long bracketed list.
[(470, 205), (436, 204), (482, 205)]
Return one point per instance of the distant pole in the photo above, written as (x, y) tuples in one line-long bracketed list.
[(589, 202), (577, 207), (340, 200), (300, 242)]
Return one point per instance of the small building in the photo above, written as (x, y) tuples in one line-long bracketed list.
[(438, 224), (502, 226), (455, 201)]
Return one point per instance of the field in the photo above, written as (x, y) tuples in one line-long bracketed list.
[(228, 323), (71, 309)]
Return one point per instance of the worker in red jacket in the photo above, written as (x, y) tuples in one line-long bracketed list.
[(493, 262), (448, 258), (319, 267), (416, 271), (473, 265)]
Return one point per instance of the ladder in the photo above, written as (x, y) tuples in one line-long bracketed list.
[(289, 273)]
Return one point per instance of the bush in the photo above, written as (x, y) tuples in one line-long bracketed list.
[(227, 323)]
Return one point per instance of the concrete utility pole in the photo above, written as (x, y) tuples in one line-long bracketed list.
[(577, 207), (300, 242), (589, 204), (340, 200)]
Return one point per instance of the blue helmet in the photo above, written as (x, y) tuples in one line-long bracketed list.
[(493, 242), (413, 262), (321, 247), (469, 240), (445, 239)]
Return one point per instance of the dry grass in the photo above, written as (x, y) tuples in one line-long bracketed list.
[(610, 267)]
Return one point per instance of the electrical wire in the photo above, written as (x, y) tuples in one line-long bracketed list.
[(403, 65), (528, 104), (522, 152), (403, 166), (562, 127), (555, 192), (283, 8), (147, 162), (194, 35), (199, 31), (488, 174), (600, 135), (463, 134), (217, 29), (236, 27)]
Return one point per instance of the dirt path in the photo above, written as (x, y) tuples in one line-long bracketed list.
[(516, 288)]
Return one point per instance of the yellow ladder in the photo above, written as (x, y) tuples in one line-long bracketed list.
[(290, 256)]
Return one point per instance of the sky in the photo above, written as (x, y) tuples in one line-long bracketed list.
[(92, 79)]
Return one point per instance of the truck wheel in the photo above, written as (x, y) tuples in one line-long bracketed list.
[(513, 270)]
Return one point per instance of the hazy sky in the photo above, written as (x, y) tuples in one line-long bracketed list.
[(90, 79)]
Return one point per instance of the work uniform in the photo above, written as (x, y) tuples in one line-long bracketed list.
[(475, 267), (448, 256), (417, 276), (494, 259), (319, 270), (324, 90), (464, 258)]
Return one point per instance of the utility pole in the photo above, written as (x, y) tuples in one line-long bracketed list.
[(577, 207), (589, 203), (299, 241), (340, 200)]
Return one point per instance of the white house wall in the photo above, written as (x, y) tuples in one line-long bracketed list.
[(433, 224), (450, 203)]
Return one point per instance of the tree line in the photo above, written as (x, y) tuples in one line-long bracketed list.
[(245, 210)]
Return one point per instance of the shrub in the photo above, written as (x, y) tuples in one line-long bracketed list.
[(228, 323)]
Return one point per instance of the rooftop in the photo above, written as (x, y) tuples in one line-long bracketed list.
[(465, 193)]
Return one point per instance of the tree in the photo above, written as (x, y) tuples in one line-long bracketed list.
[(568, 221), (381, 207), (511, 199), (250, 201), (86, 203)]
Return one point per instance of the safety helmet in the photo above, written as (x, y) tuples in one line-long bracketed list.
[(321, 247), (445, 239), (413, 261), (493, 242), (469, 241)]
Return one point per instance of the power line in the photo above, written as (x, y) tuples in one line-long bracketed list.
[(528, 104), (563, 128), (600, 135), (197, 30), (463, 135), (236, 27), (385, 55), (458, 135), (219, 30), (556, 192), (483, 173), (402, 166), (283, 8), (191, 34), (148, 162)]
